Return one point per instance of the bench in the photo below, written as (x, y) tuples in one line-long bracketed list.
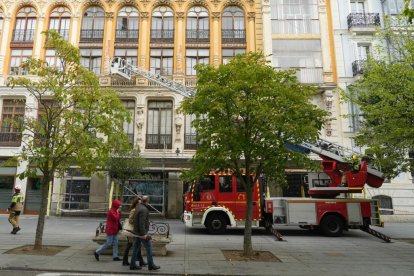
[(159, 231)]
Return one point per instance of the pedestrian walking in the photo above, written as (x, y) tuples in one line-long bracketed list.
[(141, 228), (15, 209), (113, 225), (130, 240)]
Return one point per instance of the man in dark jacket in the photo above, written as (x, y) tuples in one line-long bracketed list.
[(141, 228)]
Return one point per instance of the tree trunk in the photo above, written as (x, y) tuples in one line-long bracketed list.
[(247, 242), (42, 213)]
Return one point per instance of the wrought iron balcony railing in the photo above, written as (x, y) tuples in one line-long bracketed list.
[(233, 36), (197, 36), (162, 36), (358, 67), (23, 35), (363, 20), (190, 141), (64, 33), (126, 36), (10, 139), (158, 141), (91, 35)]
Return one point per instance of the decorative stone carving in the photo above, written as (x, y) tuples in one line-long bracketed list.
[(110, 2), (180, 2), (140, 122), (109, 15), (216, 15), (251, 15), (144, 15), (328, 98), (215, 2), (233, 3), (161, 2), (178, 124), (180, 15)]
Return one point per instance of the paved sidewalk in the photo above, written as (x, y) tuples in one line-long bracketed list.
[(193, 252)]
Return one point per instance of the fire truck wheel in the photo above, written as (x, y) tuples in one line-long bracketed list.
[(332, 226), (216, 224)]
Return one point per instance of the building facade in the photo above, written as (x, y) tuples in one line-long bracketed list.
[(168, 37), (354, 24)]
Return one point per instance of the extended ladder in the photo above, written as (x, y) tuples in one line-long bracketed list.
[(123, 68)]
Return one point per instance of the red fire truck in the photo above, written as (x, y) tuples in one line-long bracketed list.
[(218, 201)]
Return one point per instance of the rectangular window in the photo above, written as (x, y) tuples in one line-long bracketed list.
[(130, 55), (129, 127), (194, 57), (395, 7), (11, 122), (52, 59), (230, 53), (294, 16), (305, 55), (161, 61), (77, 194), (358, 6), (6, 189), (91, 60), (225, 184), (190, 134), (18, 56), (159, 129)]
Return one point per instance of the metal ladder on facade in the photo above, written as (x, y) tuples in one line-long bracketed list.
[(123, 68)]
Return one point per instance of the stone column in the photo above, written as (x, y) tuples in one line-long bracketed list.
[(38, 45), (267, 30), (179, 45), (107, 43), (251, 45), (175, 195), (325, 42), (74, 35), (4, 39), (216, 38), (143, 40)]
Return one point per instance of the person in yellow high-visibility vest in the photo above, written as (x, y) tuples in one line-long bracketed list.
[(15, 209)]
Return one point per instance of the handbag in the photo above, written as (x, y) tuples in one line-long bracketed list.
[(128, 229)]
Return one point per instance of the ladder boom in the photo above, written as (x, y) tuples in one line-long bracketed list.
[(126, 70)]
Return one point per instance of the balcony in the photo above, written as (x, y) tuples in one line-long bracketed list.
[(64, 33), (363, 22), (88, 36), (158, 141), (197, 36), (190, 141), (163, 36), (10, 139), (23, 36), (233, 36), (357, 67), (126, 36)]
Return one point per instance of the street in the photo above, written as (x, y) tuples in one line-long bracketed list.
[(194, 252)]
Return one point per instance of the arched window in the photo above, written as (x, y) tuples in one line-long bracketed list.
[(127, 25), (233, 25), (25, 25), (162, 25), (198, 25), (60, 21), (93, 22), (385, 204)]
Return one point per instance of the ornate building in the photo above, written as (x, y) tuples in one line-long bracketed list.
[(164, 37)]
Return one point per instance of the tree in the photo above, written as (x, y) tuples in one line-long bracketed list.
[(78, 122), (385, 95), (124, 164), (409, 10), (246, 112)]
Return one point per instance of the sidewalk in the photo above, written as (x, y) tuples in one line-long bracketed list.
[(193, 252)]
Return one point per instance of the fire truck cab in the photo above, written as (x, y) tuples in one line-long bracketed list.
[(219, 200)]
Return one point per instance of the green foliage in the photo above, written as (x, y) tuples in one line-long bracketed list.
[(246, 112), (125, 164), (385, 94), (409, 10), (78, 122)]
